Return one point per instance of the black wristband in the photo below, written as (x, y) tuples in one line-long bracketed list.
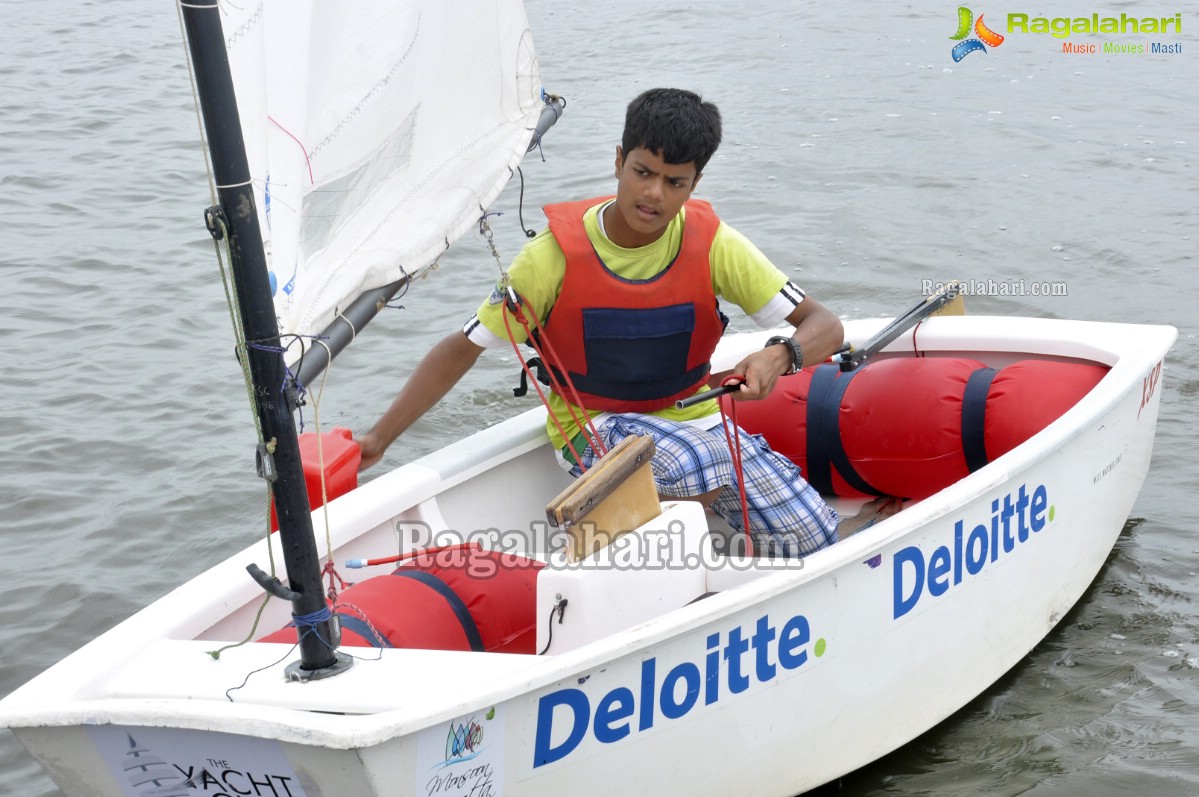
[(796, 352)]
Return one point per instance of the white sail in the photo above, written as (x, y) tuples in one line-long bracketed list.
[(376, 131)]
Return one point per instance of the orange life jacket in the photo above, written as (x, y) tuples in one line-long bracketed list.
[(634, 345)]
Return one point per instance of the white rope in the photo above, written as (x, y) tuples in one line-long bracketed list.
[(320, 446)]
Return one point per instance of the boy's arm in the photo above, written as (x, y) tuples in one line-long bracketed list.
[(819, 334), (441, 369)]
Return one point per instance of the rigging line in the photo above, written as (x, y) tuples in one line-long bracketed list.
[(336, 582), (559, 384), (537, 140), (407, 280), (560, 610), (513, 305), (312, 630), (365, 618), (489, 236), (241, 349), (545, 401), (216, 654), (289, 378), (285, 656), (350, 324), (734, 441), (268, 347), (549, 355), (246, 680), (520, 207), (916, 349), (330, 567)]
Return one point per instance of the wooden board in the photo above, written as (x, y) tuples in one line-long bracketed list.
[(616, 496)]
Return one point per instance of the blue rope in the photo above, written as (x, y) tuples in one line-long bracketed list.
[(487, 214), (540, 151), (290, 376), (306, 624), (265, 347), (312, 620)]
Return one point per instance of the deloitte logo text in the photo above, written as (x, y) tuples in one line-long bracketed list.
[(1014, 519), (566, 717), (984, 36)]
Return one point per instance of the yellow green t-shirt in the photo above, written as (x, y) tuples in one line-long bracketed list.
[(741, 274)]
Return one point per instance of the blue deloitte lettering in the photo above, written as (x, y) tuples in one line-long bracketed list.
[(634, 708), (1013, 520)]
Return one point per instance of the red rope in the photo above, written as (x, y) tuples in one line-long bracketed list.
[(734, 441), (584, 425), (335, 580), (916, 349), (361, 615)]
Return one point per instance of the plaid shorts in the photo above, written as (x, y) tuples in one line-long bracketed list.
[(788, 516)]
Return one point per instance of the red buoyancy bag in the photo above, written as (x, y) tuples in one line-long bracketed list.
[(908, 427), (340, 456), (459, 598)]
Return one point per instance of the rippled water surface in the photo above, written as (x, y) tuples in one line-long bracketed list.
[(857, 154)]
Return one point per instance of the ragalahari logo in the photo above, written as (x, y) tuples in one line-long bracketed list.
[(985, 36)]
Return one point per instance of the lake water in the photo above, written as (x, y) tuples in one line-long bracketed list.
[(857, 154)]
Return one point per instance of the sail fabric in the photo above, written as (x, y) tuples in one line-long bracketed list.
[(376, 131)]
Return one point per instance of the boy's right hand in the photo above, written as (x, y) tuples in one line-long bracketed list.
[(372, 450)]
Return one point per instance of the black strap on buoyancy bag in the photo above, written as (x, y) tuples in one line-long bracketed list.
[(974, 417), (455, 603), (825, 449)]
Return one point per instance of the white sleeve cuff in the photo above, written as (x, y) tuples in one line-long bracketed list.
[(480, 335), (775, 311)]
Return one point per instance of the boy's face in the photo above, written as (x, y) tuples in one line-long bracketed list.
[(649, 193)]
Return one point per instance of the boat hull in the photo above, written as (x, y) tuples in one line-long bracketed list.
[(774, 683)]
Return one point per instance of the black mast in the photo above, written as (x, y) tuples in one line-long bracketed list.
[(275, 396)]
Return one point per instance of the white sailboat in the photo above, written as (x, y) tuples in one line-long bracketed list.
[(660, 663)]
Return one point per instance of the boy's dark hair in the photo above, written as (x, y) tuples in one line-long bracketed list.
[(674, 124)]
